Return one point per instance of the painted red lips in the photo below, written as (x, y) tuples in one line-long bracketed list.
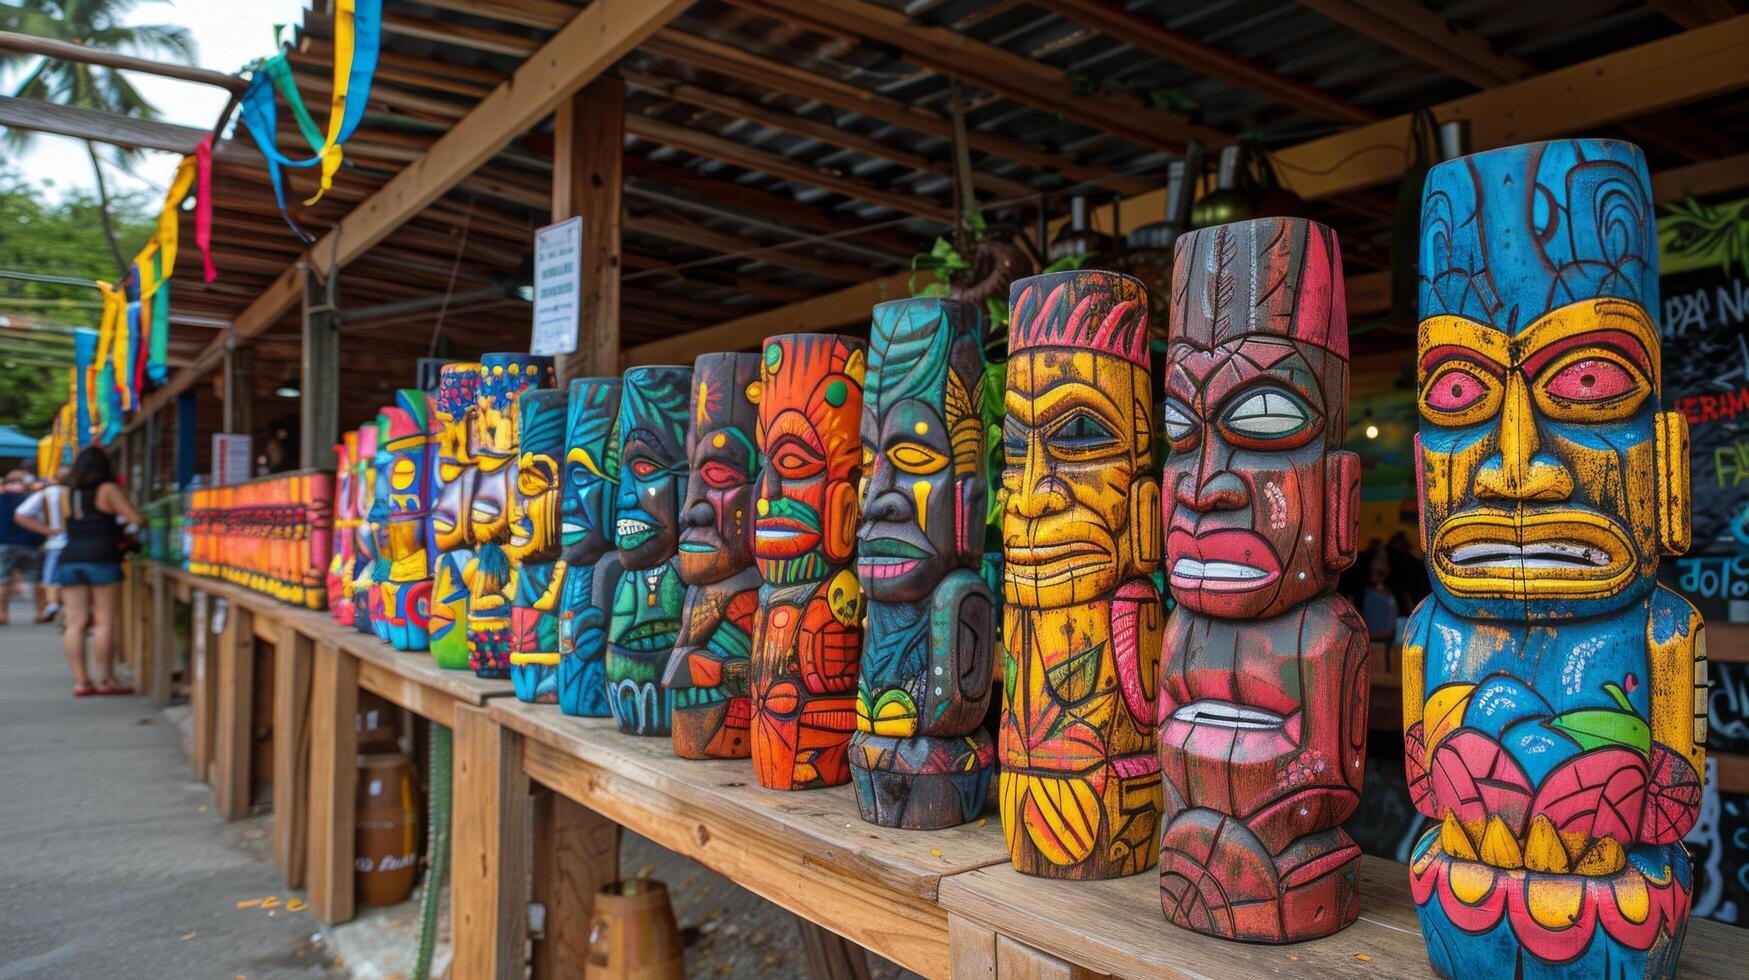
[(1228, 560)]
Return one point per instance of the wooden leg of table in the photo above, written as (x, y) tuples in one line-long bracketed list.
[(831, 956), (234, 734), (333, 782), (163, 637), (200, 692), (978, 953), (489, 848), (291, 753), (576, 853)]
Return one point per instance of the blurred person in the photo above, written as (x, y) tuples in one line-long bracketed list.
[(1378, 602), (44, 507), (1408, 573), (89, 569), (20, 548)]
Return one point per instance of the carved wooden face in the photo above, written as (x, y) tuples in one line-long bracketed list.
[(364, 492), (590, 469), (810, 408), (922, 448), (1258, 499), (404, 474), (722, 454), (458, 388), (1550, 481), (492, 437), (534, 501), (652, 463)]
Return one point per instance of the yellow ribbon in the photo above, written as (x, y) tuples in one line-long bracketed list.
[(331, 153)]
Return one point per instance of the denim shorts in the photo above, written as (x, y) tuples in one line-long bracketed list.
[(87, 573), (51, 560), (23, 560)]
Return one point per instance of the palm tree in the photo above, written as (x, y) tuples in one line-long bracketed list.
[(96, 24)]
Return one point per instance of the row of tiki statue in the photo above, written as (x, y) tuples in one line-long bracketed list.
[(784, 555)]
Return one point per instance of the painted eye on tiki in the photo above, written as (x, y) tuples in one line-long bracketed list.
[(1178, 424), (720, 476), (1590, 387), (794, 459), (1460, 393), (1013, 442), (916, 458), (644, 468), (1268, 414), (1081, 434)]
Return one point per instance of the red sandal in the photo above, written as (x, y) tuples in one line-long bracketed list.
[(110, 687), (83, 690)]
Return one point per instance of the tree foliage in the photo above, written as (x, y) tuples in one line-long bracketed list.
[(61, 237)]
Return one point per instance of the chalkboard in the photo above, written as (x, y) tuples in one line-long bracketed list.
[(1705, 299)]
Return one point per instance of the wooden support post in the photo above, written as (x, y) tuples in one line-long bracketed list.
[(202, 674), (489, 848), (333, 782), (239, 401), (576, 853), (234, 733), (831, 956), (588, 144), (292, 662), (319, 387), (163, 636), (980, 954)]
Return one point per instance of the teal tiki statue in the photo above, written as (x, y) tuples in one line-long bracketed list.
[(644, 594), (586, 537), (920, 758)]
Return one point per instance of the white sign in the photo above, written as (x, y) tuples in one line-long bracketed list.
[(558, 287), (232, 459)]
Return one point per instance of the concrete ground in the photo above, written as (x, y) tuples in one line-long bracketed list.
[(112, 862)]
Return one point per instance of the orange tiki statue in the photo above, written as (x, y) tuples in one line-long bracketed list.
[(809, 631), (1263, 687), (1079, 780)]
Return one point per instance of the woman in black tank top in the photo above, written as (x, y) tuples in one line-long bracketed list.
[(89, 572)]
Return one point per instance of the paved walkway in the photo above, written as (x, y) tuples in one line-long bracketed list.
[(112, 863)]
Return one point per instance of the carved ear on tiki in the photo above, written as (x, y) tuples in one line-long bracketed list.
[(1670, 458), (1420, 495), (1341, 508), (1145, 531)]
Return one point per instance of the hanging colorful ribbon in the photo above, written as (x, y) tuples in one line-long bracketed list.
[(114, 311), (128, 372), (84, 377), (203, 206), (357, 35)]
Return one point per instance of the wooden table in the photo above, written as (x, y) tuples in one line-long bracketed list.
[(806, 851)]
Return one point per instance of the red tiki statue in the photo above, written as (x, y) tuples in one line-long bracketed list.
[(808, 635), (1263, 682)]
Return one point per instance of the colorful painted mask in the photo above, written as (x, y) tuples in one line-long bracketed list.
[(453, 480), (364, 539), (707, 674), (645, 598), (406, 439), (534, 545), (1554, 692), (1079, 782), (919, 758), (492, 442), (345, 520), (1263, 692), (586, 517), (808, 636)]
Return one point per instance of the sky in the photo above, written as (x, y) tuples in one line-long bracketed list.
[(228, 34)]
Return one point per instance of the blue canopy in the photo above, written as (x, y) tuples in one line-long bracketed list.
[(16, 443)]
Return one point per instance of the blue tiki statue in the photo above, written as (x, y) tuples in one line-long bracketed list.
[(1553, 691), (586, 536), (534, 546), (452, 492), (644, 594), (920, 758), (707, 676)]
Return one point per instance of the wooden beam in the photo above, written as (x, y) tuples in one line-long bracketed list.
[(588, 145), (319, 377), (239, 389), (684, 232), (490, 878), (117, 130), (736, 63), (1005, 73), (1147, 34), (580, 52), (716, 147), (548, 14), (460, 35), (1701, 179), (754, 112), (1442, 43), (1696, 13), (65, 51)]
